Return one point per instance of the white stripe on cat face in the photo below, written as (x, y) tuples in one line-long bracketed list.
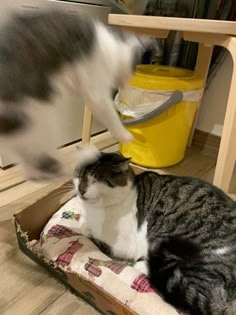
[(92, 192)]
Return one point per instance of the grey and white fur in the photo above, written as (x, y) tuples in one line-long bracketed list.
[(184, 228), (44, 56)]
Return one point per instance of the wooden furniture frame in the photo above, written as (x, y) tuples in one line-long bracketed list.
[(207, 33)]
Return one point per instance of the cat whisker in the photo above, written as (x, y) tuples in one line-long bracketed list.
[(61, 192), (64, 190), (71, 185), (68, 187)]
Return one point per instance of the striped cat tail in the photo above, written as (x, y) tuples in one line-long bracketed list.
[(167, 264), (177, 270)]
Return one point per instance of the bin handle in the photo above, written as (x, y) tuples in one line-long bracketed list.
[(175, 98)]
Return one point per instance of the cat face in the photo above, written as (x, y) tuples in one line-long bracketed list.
[(102, 176)]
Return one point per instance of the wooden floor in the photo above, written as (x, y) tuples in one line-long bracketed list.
[(25, 288)]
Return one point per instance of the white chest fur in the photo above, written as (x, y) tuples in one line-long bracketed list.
[(116, 225)]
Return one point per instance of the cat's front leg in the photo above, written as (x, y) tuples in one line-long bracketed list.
[(85, 230), (104, 111), (141, 266)]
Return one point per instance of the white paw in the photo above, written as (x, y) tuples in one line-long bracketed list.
[(125, 136), (87, 154), (141, 266), (85, 230)]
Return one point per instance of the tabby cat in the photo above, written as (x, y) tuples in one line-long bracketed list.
[(46, 55), (182, 227)]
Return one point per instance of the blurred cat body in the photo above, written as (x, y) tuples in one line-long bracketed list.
[(45, 56)]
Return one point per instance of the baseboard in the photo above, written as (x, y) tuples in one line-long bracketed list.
[(207, 142)]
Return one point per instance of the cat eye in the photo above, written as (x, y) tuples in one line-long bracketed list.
[(117, 172)]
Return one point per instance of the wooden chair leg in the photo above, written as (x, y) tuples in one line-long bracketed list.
[(227, 152), (202, 68), (87, 125)]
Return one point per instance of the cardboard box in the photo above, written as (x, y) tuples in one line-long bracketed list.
[(29, 224)]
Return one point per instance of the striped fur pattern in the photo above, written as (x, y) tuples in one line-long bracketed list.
[(189, 227)]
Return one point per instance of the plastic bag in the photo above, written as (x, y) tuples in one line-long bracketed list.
[(136, 102), (131, 6)]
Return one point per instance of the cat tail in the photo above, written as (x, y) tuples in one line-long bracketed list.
[(173, 272)]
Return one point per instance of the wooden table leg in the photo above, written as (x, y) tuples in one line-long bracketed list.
[(202, 68), (227, 152), (87, 125)]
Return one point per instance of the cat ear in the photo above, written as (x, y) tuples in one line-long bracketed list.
[(123, 165)]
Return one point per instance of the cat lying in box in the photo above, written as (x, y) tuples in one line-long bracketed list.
[(180, 230)]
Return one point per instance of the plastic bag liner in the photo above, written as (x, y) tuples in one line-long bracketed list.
[(136, 102), (131, 6)]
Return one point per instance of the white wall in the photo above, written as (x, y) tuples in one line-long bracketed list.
[(6, 7), (213, 107)]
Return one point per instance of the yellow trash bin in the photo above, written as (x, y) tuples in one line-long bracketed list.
[(158, 108)]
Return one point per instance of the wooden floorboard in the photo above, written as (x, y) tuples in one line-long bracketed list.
[(26, 288), (68, 304), (10, 177)]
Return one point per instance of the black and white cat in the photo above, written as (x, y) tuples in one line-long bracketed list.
[(41, 58), (184, 228)]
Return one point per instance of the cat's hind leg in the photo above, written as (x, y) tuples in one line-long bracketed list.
[(44, 167), (27, 134)]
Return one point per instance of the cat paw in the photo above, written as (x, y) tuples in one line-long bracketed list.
[(85, 230), (87, 154), (141, 266), (126, 137)]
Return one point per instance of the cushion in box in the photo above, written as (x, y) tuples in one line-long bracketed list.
[(62, 243)]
